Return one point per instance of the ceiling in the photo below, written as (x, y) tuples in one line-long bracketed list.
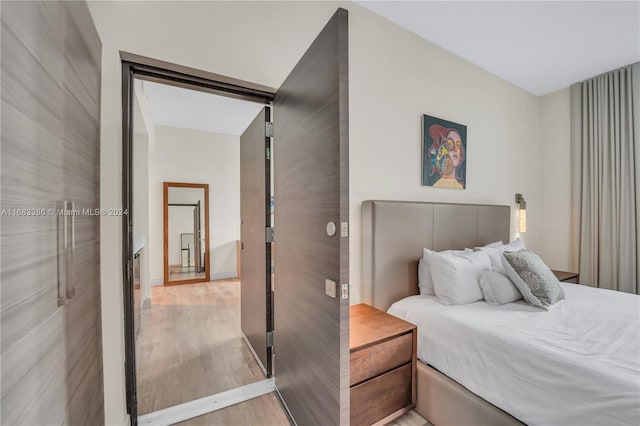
[(192, 109), (539, 46)]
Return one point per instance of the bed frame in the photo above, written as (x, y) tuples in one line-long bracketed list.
[(393, 235)]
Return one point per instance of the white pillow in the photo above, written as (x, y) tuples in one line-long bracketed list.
[(495, 253), (498, 289), (491, 245), (425, 282), (515, 245), (456, 278)]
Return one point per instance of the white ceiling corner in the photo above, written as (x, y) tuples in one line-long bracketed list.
[(539, 46)]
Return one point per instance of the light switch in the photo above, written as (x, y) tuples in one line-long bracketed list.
[(330, 288)]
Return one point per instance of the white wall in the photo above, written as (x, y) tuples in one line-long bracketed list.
[(143, 129), (141, 207), (394, 78), (194, 156), (555, 158)]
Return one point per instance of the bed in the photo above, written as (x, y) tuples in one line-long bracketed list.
[(504, 365)]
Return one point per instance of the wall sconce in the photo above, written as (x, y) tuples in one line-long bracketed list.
[(522, 207)]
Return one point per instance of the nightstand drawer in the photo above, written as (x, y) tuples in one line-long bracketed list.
[(374, 400), (376, 359)]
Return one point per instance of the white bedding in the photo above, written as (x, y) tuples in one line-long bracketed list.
[(576, 364)]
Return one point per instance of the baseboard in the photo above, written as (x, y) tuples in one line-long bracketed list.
[(215, 276), (224, 275), (157, 281)]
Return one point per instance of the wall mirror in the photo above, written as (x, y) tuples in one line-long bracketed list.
[(186, 233)]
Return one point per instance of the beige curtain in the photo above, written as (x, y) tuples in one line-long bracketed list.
[(605, 128)]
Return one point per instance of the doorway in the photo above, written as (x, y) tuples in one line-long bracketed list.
[(188, 343), (311, 179)]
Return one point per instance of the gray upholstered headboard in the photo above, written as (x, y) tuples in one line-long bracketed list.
[(394, 233)]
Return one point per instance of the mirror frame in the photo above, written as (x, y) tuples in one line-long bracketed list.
[(207, 262)]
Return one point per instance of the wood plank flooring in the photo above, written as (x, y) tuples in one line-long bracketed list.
[(190, 345), (412, 418)]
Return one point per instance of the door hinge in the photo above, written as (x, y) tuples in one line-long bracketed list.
[(269, 339), (270, 235), (268, 153), (268, 129)]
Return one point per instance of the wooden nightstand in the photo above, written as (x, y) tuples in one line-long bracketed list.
[(567, 277), (383, 366)]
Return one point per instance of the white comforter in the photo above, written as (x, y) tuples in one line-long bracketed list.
[(576, 364)]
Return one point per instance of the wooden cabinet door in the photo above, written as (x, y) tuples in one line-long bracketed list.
[(51, 352), (82, 84), (311, 176)]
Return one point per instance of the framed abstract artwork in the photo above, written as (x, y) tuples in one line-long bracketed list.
[(444, 153)]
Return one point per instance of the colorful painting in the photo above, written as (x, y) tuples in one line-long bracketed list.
[(444, 153)]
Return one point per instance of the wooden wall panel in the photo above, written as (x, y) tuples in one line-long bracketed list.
[(51, 355), (311, 189)]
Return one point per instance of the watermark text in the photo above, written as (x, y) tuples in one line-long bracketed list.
[(62, 212)]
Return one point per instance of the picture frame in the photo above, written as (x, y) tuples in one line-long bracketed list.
[(444, 153)]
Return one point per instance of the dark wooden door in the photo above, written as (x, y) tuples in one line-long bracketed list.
[(255, 205), (311, 176), (51, 323)]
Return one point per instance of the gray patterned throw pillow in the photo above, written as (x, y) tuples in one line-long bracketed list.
[(538, 285)]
